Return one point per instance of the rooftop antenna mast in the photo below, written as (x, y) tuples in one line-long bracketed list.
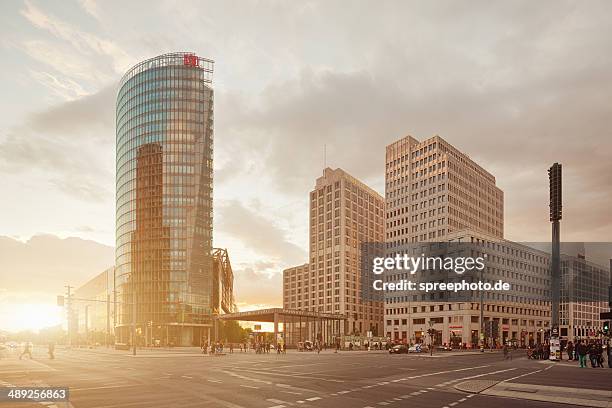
[(324, 157)]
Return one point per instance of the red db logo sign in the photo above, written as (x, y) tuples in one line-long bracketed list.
[(191, 60)]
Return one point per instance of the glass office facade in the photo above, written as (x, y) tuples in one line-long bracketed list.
[(164, 119)]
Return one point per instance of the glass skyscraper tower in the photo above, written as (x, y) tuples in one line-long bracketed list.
[(164, 200)]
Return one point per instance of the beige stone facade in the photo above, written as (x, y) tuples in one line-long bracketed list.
[(344, 213), (434, 192), (433, 189)]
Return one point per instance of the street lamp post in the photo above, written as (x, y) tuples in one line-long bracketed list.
[(481, 316), (431, 333)]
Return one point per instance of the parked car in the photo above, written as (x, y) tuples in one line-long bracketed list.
[(399, 349), (443, 348)]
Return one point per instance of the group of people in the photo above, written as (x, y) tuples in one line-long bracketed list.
[(579, 352), (28, 346), (259, 347), (213, 348), (539, 351)]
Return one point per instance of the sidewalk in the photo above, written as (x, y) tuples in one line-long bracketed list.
[(560, 395), (592, 389)]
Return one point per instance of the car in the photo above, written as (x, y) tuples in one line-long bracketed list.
[(398, 349), (417, 348), (305, 345), (443, 348)]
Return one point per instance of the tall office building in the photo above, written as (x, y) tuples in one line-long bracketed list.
[(344, 214), (164, 262), (433, 189)]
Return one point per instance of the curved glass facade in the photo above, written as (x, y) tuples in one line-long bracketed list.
[(164, 130)]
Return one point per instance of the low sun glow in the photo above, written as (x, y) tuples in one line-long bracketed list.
[(29, 316)]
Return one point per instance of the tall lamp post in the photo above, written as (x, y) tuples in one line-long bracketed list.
[(554, 176), (481, 307), (431, 334)]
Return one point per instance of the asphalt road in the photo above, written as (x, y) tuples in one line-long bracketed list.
[(112, 379)]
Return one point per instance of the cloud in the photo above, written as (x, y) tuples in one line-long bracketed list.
[(511, 95), (45, 263), (71, 143), (257, 233), (251, 286), (82, 41)]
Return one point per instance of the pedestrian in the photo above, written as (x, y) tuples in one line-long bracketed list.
[(593, 354), (570, 350), (582, 351), (27, 349), (51, 350), (505, 350), (599, 354)]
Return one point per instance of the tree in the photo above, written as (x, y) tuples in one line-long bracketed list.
[(232, 332)]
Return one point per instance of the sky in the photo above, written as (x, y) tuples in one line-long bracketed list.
[(515, 85)]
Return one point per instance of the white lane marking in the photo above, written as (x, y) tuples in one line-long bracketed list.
[(186, 376), (446, 372), (313, 398), (276, 401), (522, 375), (249, 386), (463, 399), (214, 381), (477, 376), (452, 404)]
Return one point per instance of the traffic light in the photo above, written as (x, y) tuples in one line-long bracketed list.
[(606, 328)]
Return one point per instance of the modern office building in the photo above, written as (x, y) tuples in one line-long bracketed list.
[(433, 189), (584, 294), (522, 314), (164, 153), (93, 309), (344, 214)]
